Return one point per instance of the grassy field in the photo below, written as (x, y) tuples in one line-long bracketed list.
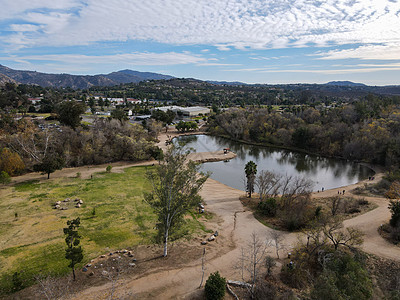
[(113, 216)]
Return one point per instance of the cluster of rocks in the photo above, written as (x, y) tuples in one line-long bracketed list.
[(116, 254), (62, 205), (210, 239), (201, 208)]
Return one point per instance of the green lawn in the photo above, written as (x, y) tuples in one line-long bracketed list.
[(113, 216)]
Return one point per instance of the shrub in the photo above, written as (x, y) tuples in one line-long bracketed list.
[(362, 202), (17, 283), (395, 234), (268, 207), (354, 210), (215, 287), (394, 207), (4, 177), (318, 211), (264, 290), (108, 169), (295, 277)]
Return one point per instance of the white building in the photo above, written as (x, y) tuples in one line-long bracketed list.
[(186, 111), (195, 111)]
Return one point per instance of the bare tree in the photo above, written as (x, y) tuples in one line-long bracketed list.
[(252, 259), (32, 144), (268, 184), (315, 238), (277, 237), (334, 231), (294, 187), (335, 205), (52, 287)]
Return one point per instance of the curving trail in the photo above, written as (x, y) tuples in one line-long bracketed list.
[(235, 226)]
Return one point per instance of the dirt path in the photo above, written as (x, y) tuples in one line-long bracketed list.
[(369, 222), (235, 226)]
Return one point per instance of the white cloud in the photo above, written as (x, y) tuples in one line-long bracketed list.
[(241, 24), (127, 59), (377, 52)]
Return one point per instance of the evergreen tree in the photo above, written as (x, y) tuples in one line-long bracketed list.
[(74, 251)]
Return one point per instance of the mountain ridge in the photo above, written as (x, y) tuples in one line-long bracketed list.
[(78, 81)]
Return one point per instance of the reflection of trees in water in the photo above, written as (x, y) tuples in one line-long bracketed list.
[(186, 140), (302, 163), (309, 165), (257, 151), (359, 172)]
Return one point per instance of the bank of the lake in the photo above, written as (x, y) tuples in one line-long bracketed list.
[(327, 173)]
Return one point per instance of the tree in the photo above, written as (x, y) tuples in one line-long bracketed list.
[(119, 114), (270, 263), (165, 117), (252, 259), (50, 163), (69, 113), (277, 237), (394, 206), (251, 170), (73, 252), (334, 231), (175, 187), (215, 287), (343, 277), (268, 184), (11, 162), (186, 126)]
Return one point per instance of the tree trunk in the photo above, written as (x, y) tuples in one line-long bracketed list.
[(48, 175), (73, 272), (166, 242)]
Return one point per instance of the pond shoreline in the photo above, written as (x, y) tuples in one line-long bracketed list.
[(374, 167), (327, 173)]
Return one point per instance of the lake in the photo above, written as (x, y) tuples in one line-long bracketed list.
[(324, 172)]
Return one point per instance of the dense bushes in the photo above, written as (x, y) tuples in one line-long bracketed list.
[(106, 141), (343, 277), (268, 207)]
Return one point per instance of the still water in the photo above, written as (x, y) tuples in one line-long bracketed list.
[(324, 172)]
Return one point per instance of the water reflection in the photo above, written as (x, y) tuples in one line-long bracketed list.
[(327, 173)]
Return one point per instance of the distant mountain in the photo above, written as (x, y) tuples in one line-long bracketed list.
[(345, 83), (78, 81), (226, 82), (4, 79)]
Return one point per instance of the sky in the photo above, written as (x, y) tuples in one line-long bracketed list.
[(251, 41)]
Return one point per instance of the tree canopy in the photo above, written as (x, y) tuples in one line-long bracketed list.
[(250, 170), (176, 183), (69, 113)]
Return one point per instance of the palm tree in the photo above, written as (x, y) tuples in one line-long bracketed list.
[(251, 170)]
